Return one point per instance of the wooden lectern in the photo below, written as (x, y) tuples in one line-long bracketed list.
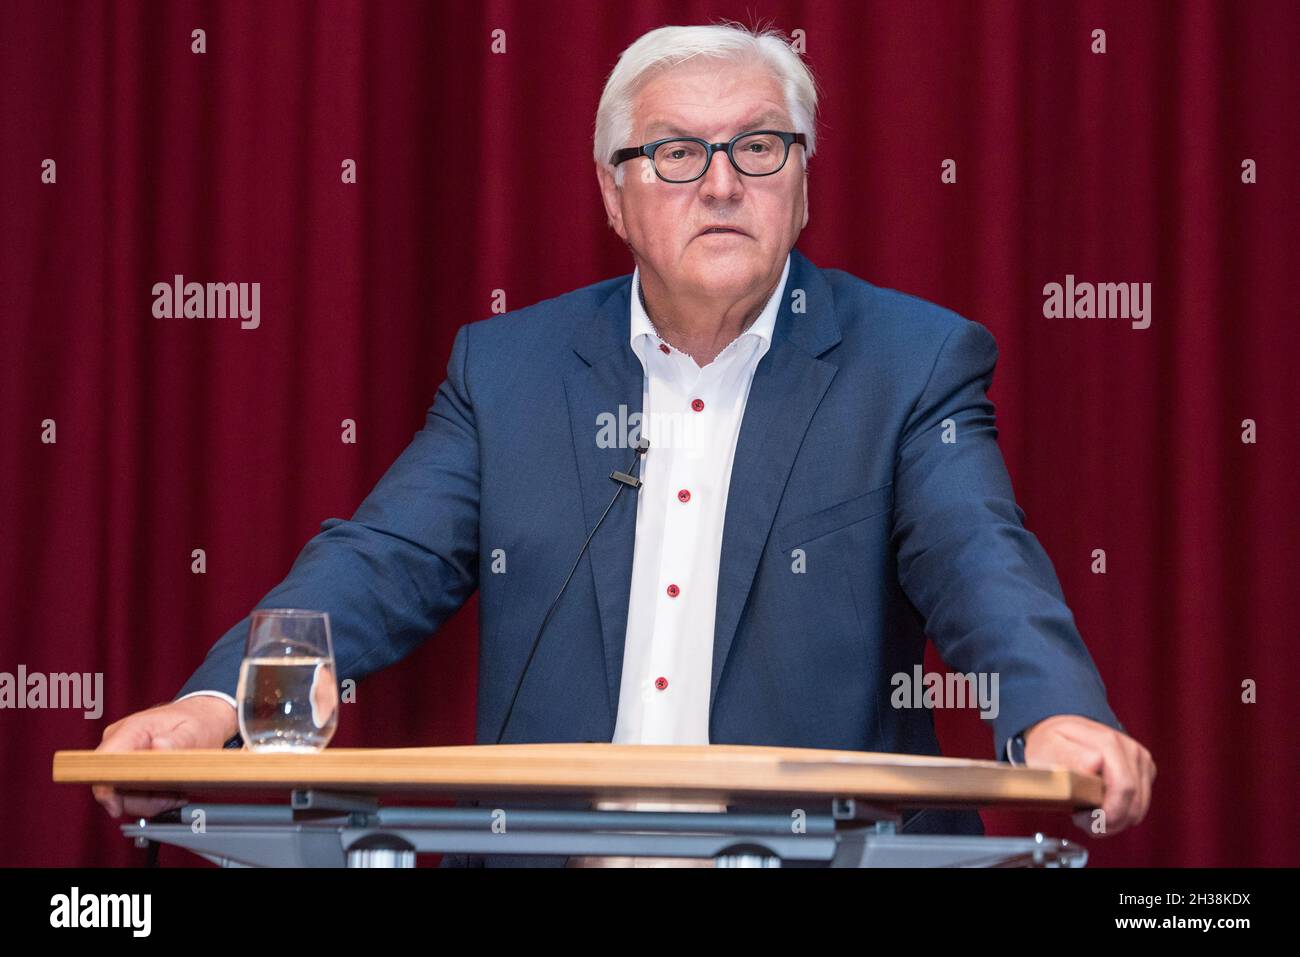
[(801, 806)]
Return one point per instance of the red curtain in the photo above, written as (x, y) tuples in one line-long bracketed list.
[(474, 179)]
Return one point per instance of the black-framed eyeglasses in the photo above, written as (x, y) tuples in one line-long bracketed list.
[(684, 159)]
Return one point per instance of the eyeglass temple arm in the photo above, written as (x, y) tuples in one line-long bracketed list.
[(623, 155)]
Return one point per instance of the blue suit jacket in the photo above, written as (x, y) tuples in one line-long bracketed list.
[(841, 455)]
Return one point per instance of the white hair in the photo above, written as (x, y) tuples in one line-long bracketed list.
[(668, 46)]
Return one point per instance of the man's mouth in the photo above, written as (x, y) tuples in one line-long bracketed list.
[(721, 230)]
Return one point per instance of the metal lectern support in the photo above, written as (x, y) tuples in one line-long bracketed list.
[(336, 829)]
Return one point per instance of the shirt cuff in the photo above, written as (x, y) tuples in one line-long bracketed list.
[(215, 694)]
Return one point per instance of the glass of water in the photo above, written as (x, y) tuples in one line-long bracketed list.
[(288, 697)]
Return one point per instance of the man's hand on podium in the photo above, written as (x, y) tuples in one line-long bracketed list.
[(198, 722), (1090, 747)]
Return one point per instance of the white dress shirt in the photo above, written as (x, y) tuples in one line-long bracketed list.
[(692, 417)]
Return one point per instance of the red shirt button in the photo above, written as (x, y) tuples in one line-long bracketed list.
[(697, 405), (663, 348), (673, 591), (684, 495), (661, 683)]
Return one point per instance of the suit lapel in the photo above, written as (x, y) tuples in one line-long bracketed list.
[(610, 385), (788, 386)]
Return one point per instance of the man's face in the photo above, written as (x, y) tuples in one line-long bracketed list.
[(664, 223)]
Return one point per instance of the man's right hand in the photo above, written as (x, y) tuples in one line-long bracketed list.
[(202, 721)]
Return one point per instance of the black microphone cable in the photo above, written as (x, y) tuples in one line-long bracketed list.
[(624, 480)]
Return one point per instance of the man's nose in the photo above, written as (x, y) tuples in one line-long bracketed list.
[(721, 179)]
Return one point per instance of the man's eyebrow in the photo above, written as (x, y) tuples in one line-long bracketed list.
[(663, 127)]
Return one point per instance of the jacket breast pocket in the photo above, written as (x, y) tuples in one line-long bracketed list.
[(808, 527)]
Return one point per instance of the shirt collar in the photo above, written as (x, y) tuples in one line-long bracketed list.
[(642, 332)]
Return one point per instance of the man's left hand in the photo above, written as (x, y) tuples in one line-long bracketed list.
[(1087, 746)]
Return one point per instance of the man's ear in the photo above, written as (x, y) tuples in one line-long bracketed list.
[(612, 197)]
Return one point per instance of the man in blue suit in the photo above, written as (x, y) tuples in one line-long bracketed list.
[(822, 490)]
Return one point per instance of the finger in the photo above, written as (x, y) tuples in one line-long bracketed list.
[(1144, 770), (108, 799), (1147, 776), (1123, 784), (149, 803), (133, 736)]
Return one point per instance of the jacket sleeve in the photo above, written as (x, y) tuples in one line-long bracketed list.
[(985, 586), (403, 564)]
